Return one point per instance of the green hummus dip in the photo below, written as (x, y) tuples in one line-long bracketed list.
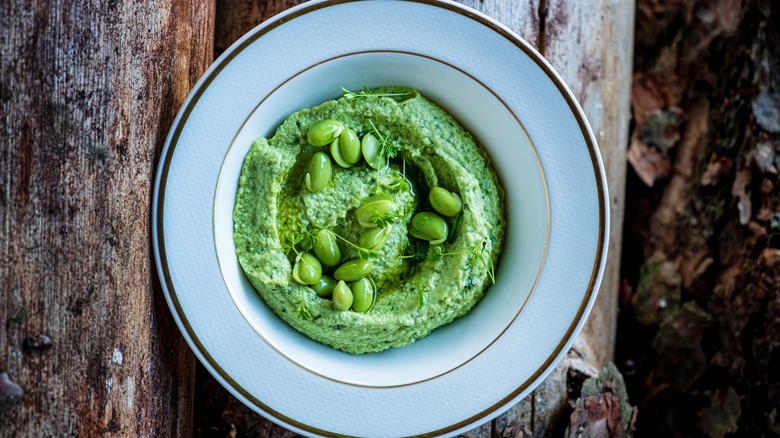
[(419, 287)]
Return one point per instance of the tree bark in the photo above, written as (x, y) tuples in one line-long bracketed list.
[(700, 324), (87, 93)]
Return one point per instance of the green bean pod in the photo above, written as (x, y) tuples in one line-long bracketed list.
[(307, 269), (429, 226), (445, 202), (342, 296), (326, 247), (353, 270), (363, 294), (318, 176), (324, 132)]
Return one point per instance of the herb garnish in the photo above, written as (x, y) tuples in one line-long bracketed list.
[(418, 252), (396, 183), (302, 311), (384, 219), (298, 243), (486, 259), (421, 299), (362, 252), (387, 149)]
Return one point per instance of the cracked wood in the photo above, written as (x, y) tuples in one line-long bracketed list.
[(87, 93)]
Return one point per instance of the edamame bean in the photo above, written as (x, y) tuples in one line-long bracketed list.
[(324, 132), (342, 296), (335, 152), (363, 294), (369, 210), (353, 270), (326, 247), (318, 176), (370, 147), (429, 226), (377, 197), (349, 146), (445, 202), (375, 238), (307, 269), (324, 287)]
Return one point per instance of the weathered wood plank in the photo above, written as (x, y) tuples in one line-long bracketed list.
[(87, 93), (521, 17), (591, 45)]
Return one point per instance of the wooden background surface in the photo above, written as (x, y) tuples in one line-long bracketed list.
[(88, 90)]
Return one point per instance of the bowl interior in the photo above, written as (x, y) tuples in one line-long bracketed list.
[(514, 159)]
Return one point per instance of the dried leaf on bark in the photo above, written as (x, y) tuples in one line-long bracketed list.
[(646, 98), (694, 261), (722, 415), (649, 163), (770, 256), (717, 168), (657, 129), (765, 156), (603, 409), (662, 129)]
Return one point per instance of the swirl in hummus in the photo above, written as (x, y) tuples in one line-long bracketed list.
[(419, 286)]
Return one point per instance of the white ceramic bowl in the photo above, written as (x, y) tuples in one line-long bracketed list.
[(517, 108), (494, 125)]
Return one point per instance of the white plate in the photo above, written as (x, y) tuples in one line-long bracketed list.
[(519, 110)]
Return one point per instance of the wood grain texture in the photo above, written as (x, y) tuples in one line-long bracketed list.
[(590, 44), (88, 90), (522, 17)]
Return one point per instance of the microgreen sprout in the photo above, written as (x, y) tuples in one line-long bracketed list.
[(302, 311), (396, 183), (391, 217), (485, 259), (367, 92), (387, 149), (362, 252), (421, 299), (418, 252), (298, 243)]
